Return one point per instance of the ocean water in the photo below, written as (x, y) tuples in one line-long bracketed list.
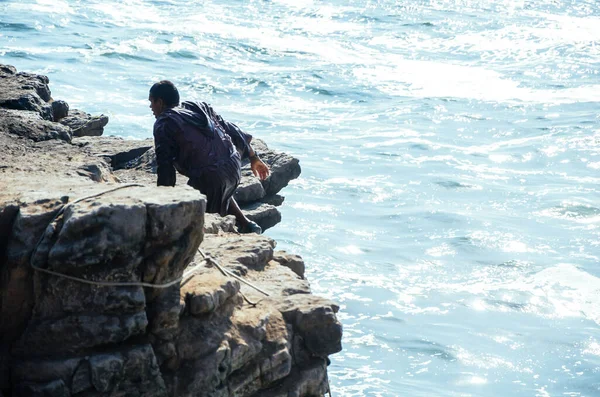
[(449, 198)]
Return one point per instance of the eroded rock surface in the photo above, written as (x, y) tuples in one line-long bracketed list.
[(66, 332), (25, 91), (84, 124), (29, 124)]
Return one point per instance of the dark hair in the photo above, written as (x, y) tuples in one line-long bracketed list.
[(166, 91)]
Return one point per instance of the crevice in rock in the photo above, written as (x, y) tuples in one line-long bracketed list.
[(120, 160), (8, 214)]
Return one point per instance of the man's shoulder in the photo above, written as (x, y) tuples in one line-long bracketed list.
[(164, 121), (196, 106), (169, 116)]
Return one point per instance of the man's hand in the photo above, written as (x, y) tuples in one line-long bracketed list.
[(259, 168)]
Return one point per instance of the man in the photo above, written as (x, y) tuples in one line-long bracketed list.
[(198, 143)]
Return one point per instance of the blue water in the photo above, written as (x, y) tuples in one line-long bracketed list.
[(449, 199)]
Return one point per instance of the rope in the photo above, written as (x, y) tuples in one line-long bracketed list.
[(117, 283), (186, 276), (183, 279), (248, 301), (228, 272)]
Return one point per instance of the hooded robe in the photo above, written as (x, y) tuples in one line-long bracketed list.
[(198, 143)]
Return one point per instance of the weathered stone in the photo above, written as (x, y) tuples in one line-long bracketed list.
[(106, 371), (31, 125), (260, 351), (145, 162), (46, 166), (82, 378), (276, 359), (16, 281), (314, 319), (55, 388), (141, 375), (84, 124), (164, 312), (201, 338), (250, 189), (265, 215), (234, 251), (174, 232), (25, 91), (40, 370), (291, 261), (60, 109), (97, 172), (85, 331), (246, 381), (128, 224), (172, 215), (302, 357), (255, 339), (63, 295), (166, 355), (116, 150), (310, 380), (37, 82), (245, 339), (252, 251), (105, 233), (278, 281), (142, 169), (276, 366), (275, 200), (283, 167), (134, 175), (7, 70), (206, 375), (208, 291), (215, 224)]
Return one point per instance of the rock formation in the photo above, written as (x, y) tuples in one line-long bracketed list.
[(80, 315)]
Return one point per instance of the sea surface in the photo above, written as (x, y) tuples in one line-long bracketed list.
[(449, 197)]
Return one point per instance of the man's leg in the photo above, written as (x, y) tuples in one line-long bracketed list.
[(245, 223), (234, 209)]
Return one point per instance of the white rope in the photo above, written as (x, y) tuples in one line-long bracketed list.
[(186, 276), (228, 272)]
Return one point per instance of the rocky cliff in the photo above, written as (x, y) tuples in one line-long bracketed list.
[(103, 290)]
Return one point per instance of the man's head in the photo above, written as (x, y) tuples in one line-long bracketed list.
[(163, 96)]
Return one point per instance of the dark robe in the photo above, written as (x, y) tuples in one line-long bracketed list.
[(198, 143)]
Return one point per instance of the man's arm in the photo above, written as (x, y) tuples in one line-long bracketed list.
[(166, 151), (241, 141), (258, 167)]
